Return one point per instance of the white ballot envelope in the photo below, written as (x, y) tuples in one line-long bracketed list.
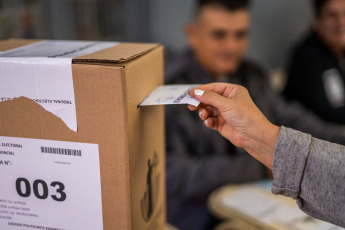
[(170, 95)]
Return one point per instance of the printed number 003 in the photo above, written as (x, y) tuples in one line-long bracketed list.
[(26, 190)]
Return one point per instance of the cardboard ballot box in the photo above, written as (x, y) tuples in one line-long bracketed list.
[(108, 86)]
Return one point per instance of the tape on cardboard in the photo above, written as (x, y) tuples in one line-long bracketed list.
[(42, 71)]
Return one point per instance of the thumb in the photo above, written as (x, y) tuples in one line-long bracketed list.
[(210, 98)]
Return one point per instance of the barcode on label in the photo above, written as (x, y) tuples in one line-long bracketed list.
[(69, 152)]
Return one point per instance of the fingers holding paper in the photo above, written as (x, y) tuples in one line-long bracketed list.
[(229, 109), (217, 109)]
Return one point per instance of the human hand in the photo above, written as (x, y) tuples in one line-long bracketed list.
[(229, 109)]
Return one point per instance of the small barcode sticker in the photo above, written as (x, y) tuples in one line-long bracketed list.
[(69, 152)]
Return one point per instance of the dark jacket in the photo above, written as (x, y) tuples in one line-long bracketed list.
[(316, 79), (199, 160)]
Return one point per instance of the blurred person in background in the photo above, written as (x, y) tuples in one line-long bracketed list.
[(200, 160), (317, 66)]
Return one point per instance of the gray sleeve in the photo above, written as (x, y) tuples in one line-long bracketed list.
[(312, 172)]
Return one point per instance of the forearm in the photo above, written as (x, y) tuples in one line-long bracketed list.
[(311, 171), (261, 143), (305, 168)]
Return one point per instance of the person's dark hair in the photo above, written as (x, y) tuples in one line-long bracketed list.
[(318, 5), (231, 5)]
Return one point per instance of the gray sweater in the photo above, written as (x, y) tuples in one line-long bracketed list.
[(312, 172)]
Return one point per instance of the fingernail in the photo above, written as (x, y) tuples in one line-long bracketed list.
[(206, 121), (199, 92), (200, 114)]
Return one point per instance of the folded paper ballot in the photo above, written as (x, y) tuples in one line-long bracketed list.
[(170, 95)]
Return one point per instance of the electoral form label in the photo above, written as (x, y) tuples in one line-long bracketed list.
[(49, 185), (42, 71), (170, 95)]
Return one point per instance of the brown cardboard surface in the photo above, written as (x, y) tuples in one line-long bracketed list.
[(106, 103), (15, 43), (143, 127), (117, 54)]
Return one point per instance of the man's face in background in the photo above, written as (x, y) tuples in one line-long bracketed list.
[(330, 24), (219, 38)]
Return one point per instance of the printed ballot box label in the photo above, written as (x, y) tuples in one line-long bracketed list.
[(49, 185)]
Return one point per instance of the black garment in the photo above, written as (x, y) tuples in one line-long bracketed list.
[(199, 160), (312, 67)]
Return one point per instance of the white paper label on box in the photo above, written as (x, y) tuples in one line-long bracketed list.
[(170, 95), (49, 185), (43, 72)]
